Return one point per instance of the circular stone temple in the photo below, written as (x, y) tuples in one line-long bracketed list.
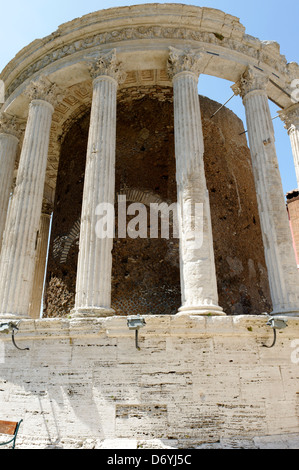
[(106, 113)]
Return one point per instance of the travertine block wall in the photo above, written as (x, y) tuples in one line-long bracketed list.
[(196, 382)]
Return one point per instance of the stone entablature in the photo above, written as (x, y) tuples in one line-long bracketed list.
[(220, 36), (205, 26)]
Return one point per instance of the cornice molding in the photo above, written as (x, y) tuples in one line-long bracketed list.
[(264, 52)]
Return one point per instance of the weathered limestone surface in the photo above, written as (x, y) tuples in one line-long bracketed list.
[(40, 262), (19, 240), (93, 288), (278, 245), (196, 382), (8, 152), (198, 274)]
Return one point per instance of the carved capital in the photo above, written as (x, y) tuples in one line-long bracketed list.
[(184, 61), (108, 65), (290, 116), (47, 208), (43, 89), (251, 80), (9, 125)]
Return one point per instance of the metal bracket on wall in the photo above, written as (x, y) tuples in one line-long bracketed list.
[(135, 323), (12, 327), (277, 324)]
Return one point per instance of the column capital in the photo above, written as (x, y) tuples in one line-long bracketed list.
[(9, 125), (250, 80), (188, 60), (44, 89), (290, 116), (47, 208), (107, 65)]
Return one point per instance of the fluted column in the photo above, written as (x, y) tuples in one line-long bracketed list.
[(40, 261), (20, 235), (197, 264), (93, 285), (290, 116), (279, 252), (9, 139)]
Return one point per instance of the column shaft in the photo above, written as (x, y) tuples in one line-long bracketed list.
[(198, 274), (40, 266), (8, 151), (93, 288), (279, 253), (20, 236)]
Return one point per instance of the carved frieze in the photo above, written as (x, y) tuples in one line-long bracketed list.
[(252, 50)]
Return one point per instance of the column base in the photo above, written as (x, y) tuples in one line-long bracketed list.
[(13, 317), (91, 313), (212, 310), (285, 313)]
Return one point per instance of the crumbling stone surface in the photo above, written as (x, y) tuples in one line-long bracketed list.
[(146, 276)]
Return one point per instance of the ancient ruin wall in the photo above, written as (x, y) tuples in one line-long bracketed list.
[(293, 211), (146, 276), (199, 382)]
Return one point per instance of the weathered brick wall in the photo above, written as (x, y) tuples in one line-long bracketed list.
[(145, 271), (196, 382), (293, 208)]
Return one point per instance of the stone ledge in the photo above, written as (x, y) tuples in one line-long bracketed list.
[(280, 441), (254, 326)]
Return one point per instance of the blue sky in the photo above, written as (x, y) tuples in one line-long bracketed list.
[(23, 21)]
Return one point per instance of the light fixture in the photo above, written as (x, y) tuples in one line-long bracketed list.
[(276, 323), (12, 326), (136, 322)]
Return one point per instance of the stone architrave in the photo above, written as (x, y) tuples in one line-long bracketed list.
[(197, 264), (290, 116), (40, 261), (9, 140), (20, 236), (93, 284), (278, 245)]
